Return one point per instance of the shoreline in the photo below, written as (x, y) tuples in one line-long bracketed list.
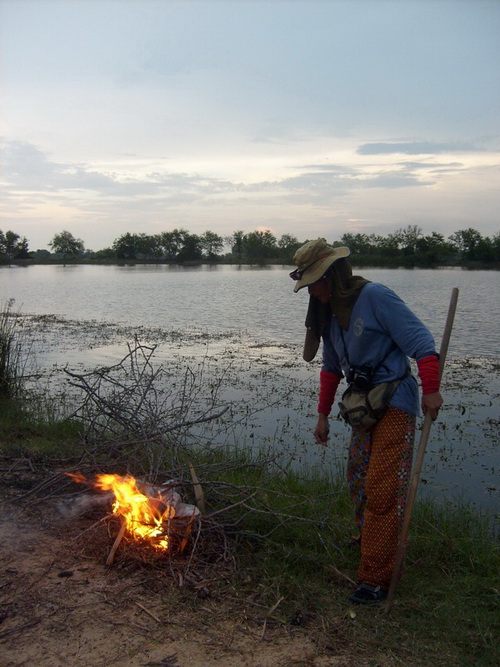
[(356, 262)]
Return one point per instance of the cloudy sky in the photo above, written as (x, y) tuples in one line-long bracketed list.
[(307, 117)]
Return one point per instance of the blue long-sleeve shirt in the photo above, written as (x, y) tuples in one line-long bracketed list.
[(381, 329)]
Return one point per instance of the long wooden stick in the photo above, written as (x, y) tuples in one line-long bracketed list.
[(420, 457)]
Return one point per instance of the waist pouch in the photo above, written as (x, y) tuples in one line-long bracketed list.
[(362, 409)]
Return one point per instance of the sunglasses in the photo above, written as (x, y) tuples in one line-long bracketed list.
[(298, 273)]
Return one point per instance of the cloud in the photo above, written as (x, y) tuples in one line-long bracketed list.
[(326, 167), (415, 148), (335, 179), (32, 179), (395, 179), (25, 167), (28, 169), (141, 194), (451, 166)]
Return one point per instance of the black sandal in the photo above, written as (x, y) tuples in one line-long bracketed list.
[(354, 541), (367, 594)]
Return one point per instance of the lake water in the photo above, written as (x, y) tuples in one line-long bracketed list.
[(254, 299), (246, 324)]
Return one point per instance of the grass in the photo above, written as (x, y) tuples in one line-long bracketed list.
[(9, 351), (24, 432), (446, 610)]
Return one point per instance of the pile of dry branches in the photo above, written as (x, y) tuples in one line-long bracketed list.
[(137, 420), (142, 414)]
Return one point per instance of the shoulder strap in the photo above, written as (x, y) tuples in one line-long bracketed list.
[(381, 363)]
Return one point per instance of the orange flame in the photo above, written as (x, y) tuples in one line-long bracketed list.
[(78, 477), (145, 517)]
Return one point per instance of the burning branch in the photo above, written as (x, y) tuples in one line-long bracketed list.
[(146, 513), (116, 544)]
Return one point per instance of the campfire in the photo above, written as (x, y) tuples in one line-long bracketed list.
[(147, 513)]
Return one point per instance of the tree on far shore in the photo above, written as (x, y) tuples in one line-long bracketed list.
[(12, 246), (67, 245), (212, 244)]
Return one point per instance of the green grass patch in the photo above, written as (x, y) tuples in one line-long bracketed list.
[(25, 432), (446, 610)]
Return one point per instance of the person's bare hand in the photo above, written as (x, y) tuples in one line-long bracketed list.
[(321, 431), (431, 404)]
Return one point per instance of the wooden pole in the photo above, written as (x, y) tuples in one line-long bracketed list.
[(420, 458)]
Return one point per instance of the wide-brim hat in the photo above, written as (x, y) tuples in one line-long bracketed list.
[(313, 260)]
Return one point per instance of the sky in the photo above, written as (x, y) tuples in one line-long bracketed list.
[(304, 117)]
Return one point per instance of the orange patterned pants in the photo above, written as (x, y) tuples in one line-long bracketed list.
[(379, 469)]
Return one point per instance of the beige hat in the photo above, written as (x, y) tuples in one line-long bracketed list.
[(313, 260)]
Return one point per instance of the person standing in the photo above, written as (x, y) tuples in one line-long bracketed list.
[(368, 336)]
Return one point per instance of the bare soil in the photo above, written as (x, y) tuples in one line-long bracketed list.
[(60, 604)]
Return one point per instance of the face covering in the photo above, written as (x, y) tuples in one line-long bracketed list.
[(344, 291)]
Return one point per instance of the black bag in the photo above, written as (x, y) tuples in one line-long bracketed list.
[(363, 409)]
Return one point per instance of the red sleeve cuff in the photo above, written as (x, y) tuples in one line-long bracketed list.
[(328, 383), (428, 371)]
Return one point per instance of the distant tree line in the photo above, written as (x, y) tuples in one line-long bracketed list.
[(404, 247), (409, 247)]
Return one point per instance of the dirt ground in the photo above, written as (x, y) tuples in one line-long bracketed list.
[(60, 604)]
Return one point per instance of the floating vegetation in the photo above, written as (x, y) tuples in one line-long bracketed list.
[(272, 397)]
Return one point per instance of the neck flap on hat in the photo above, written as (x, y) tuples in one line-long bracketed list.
[(345, 289)]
